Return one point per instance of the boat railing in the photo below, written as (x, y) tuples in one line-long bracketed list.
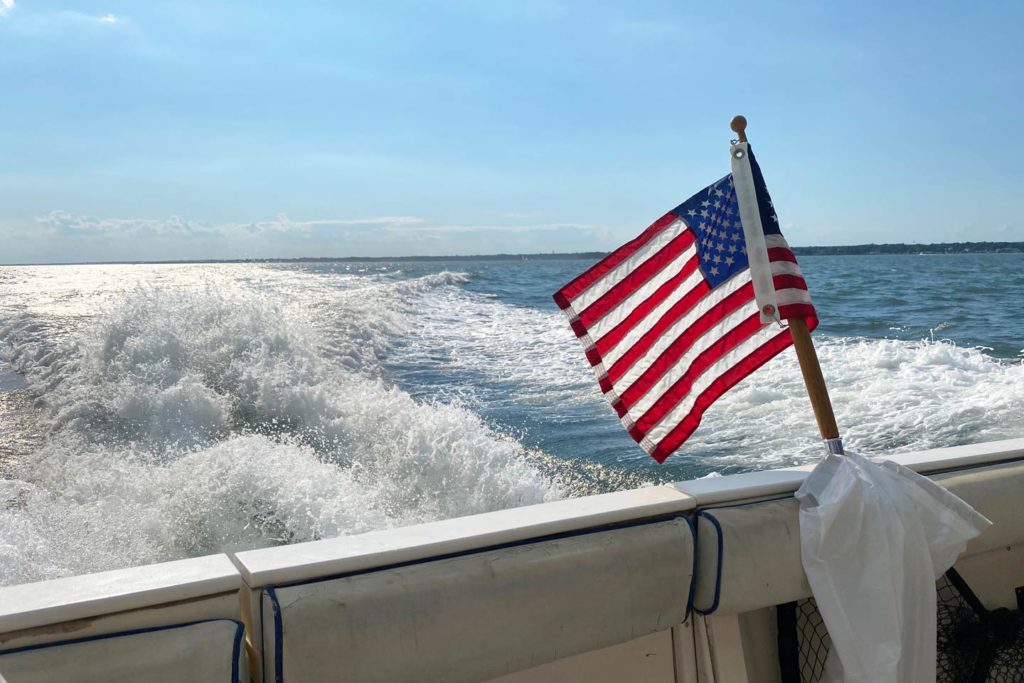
[(665, 581)]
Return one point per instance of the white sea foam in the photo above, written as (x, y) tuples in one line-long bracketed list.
[(212, 416), (889, 395), (180, 410), (531, 350)]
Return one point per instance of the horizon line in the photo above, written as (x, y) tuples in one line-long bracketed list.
[(869, 249)]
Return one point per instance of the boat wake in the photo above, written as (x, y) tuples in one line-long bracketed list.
[(160, 412), (889, 395), (185, 422)]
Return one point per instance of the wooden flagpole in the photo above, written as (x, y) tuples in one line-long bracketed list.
[(805, 353)]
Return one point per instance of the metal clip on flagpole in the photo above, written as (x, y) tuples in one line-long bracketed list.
[(808, 357)]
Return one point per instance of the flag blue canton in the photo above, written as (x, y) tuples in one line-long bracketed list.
[(713, 214)]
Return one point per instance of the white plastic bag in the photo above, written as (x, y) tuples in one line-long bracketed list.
[(874, 538)]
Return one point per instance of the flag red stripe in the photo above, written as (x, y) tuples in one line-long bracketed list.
[(805, 311), (629, 284), (789, 282), (725, 381), (677, 348), (781, 254), (674, 394), (615, 335), (644, 343), (565, 295)]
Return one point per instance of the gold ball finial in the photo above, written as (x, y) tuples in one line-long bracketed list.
[(739, 126)]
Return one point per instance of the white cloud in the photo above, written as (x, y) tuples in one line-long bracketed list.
[(71, 17), (382, 230), (285, 224), (67, 223), (71, 224), (63, 22), (67, 236), (528, 228)]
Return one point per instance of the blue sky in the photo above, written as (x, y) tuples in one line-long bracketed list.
[(149, 130)]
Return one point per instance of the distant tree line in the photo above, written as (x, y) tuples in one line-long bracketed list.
[(938, 248), (845, 250)]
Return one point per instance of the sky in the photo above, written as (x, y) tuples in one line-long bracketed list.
[(198, 130)]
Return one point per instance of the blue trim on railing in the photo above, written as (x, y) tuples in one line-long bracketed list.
[(745, 503), (272, 594), (666, 517), (133, 632), (278, 636), (236, 655), (263, 640), (718, 569), (691, 524), (705, 512)]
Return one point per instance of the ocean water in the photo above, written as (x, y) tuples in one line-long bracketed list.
[(153, 412)]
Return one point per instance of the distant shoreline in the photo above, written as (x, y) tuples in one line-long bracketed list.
[(937, 248), (843, 250)]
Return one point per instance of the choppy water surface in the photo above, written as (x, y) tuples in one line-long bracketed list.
[(151, 412)]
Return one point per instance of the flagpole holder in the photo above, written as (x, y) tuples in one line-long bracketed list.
[(810, 367), (834, 446)]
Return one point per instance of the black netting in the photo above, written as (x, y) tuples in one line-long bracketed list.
[(960, 636), (974, 645), (813, 640)]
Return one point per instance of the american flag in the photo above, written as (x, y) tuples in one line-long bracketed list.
[(679, 315)]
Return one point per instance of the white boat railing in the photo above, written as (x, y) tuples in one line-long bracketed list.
[(590, 588)]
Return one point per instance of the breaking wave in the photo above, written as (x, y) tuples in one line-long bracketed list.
[(889, 396), (190, 421)]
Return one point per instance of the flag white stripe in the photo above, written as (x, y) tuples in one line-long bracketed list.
[(785, 268), (672, 418), (669, 335), (792, 296), (613, 317), (613, 277), (775, 241), (665, 382), (651, 319)]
